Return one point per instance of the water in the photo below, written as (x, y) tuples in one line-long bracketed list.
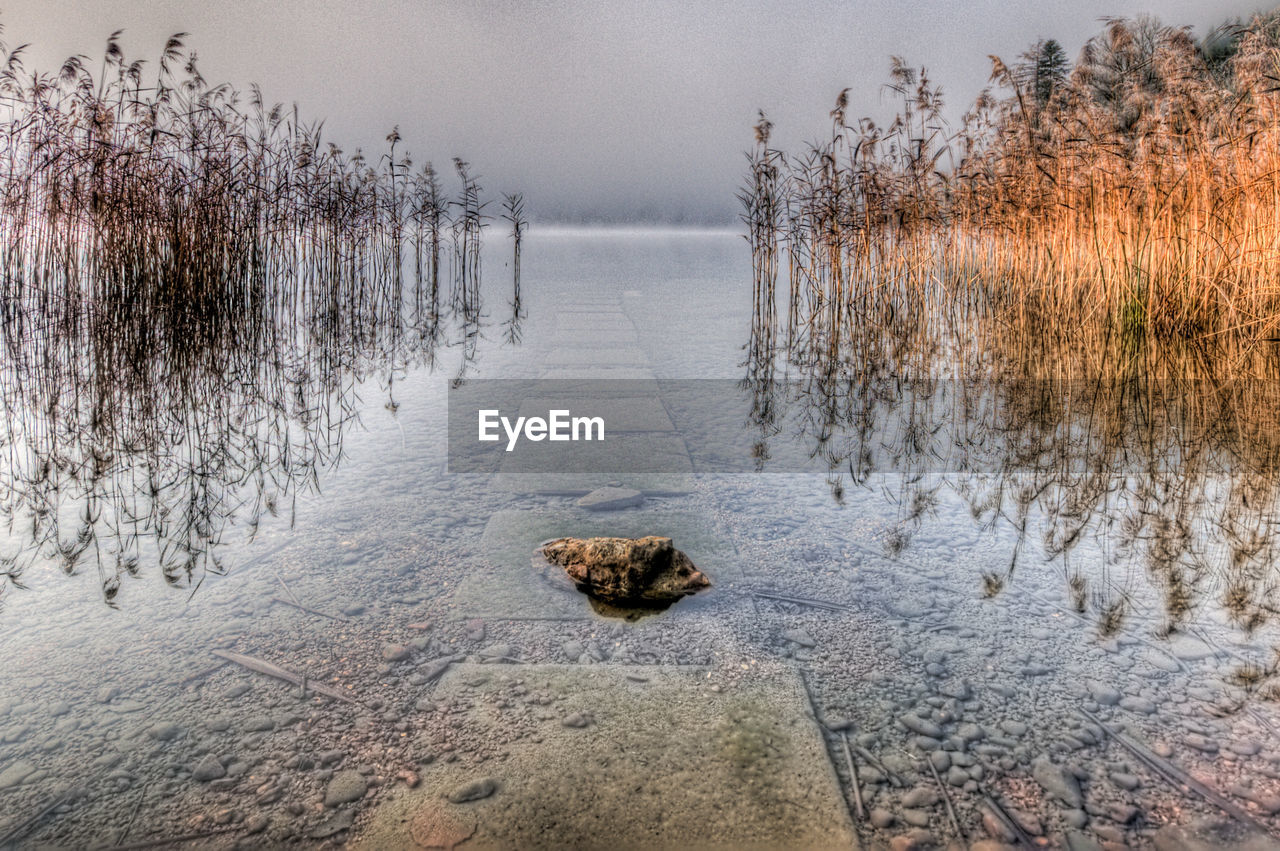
[(894, 632)]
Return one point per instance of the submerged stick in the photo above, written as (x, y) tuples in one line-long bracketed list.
[(263, 667), (946, 799), (802, 601), (22, 828), (1006, 818), (1175, 776), (308, 609), (853, 777), (201, 674), (174, 840)]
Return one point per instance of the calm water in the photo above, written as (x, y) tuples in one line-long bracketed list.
[(960, 643)]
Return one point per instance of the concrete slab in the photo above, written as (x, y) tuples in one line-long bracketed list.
[(617, 454), (505, 584), (580, 484), (580, 373), (568, 335), (631, 356), (620, 415), (663, 762)]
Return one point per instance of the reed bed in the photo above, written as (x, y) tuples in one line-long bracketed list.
[(193, 283), (1136, 193)]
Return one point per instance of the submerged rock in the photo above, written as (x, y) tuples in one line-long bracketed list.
[(627, 571)]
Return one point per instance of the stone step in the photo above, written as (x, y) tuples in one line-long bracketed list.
[(622, 757)]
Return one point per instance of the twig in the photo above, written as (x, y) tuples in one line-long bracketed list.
[(22, 828), (174, 840), (280, 579), (946, 799), (200, 675), (1174, 775), (1005, 817), (263, 667), (876, 763), (802, 601), (853, 777), (308, 609), (134, 815)]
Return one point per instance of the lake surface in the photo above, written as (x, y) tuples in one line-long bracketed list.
[(915, 653)]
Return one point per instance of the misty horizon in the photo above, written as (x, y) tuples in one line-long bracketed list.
[(638, 116)]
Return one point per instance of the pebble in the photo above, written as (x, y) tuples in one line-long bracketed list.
[(345, 787), (1137, 704), (577, 720), (1127, 782), (15, 774), (333, 825), (799, 636), (921, 726), (1201, 743), (164, 731), (1014, 728), (396, 652), (208, 769), (474, 791), (1057, 782), (881, 818), (915, 818), (1104, 694), (920, 796)]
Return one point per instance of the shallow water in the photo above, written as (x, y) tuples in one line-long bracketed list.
[(866, 625)]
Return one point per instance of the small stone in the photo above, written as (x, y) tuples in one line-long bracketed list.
[(106, 694), (345, 787), (256, 823), (259, 724), (396, 652), (1200, 743), (916, 840), (164, 731), (577, 720), (1104, 694), (15, 774), (1140, 705), (881, 818), (1057, 782), (474, 791), (921, 726), (957, 776), (611, 499), (916, 818), (920, 796), (799, 636), (1127, 782), (333, 825), (208, 769), (1014, 728)]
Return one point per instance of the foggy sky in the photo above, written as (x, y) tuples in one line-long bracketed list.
[(610, 111)]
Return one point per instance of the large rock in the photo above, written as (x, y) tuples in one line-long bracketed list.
[(627, 571)]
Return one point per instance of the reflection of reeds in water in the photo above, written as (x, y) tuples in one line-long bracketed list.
[(1091, 263), (192, 283)]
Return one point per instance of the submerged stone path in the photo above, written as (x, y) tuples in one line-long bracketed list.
[(618, 756)]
